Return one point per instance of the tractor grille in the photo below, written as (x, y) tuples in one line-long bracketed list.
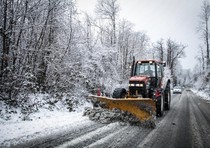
[(140, 87)]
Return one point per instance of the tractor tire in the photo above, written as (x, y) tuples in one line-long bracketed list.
[(168, 100), (159, 106), (119, 93)]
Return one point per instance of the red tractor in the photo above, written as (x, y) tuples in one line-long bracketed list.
[(148, 91), (148, 81)]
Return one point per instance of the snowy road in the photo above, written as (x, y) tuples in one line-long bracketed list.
[(187, 124)]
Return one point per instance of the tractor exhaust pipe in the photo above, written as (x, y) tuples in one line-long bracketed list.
[(133, 67)]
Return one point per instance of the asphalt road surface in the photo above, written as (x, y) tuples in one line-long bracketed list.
[(186, 125)]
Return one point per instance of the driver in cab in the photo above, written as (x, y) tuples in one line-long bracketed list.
[(149, 72)]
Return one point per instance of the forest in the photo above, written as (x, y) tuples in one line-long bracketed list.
[(50, 52)]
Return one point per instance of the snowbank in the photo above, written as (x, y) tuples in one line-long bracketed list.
[(204, 95), (42, 123)]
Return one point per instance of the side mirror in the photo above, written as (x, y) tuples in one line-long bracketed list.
[(164, 64)]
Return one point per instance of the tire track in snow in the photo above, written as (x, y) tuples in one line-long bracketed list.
[(66, 134), (103, 142), (40, 135), (130, 138), (85, 139)]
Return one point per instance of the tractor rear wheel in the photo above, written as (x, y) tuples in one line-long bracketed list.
[(159, 106), (119, 93), (167, 100)]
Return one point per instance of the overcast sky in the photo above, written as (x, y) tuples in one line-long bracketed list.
[(175, 19)]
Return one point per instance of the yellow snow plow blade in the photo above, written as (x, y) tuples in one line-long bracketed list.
[(142, 108)]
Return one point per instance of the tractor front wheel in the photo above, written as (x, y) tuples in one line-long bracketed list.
[(119, 93)]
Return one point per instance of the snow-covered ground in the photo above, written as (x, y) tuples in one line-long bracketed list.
[(45, 122), (202, 94), (42, 123)]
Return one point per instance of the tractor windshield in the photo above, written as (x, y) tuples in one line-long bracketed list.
[(145, 69)]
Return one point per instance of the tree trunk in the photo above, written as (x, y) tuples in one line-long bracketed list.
[(5, 55), (207, 44)]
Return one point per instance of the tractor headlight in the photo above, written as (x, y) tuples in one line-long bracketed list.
[(139, 85), (131, 84)]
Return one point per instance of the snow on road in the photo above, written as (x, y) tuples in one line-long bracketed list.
[(100, 142), (89, 135), (46, 123), (202, 94), (43, 123)]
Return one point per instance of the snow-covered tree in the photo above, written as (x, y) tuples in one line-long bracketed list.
[(108, 10), (203, 28), (171, 52), (159, 50)]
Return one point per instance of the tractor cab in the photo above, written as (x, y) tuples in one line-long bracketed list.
[(146, 75), (145, 69)]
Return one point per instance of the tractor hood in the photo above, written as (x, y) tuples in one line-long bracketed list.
[(139, 79)]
